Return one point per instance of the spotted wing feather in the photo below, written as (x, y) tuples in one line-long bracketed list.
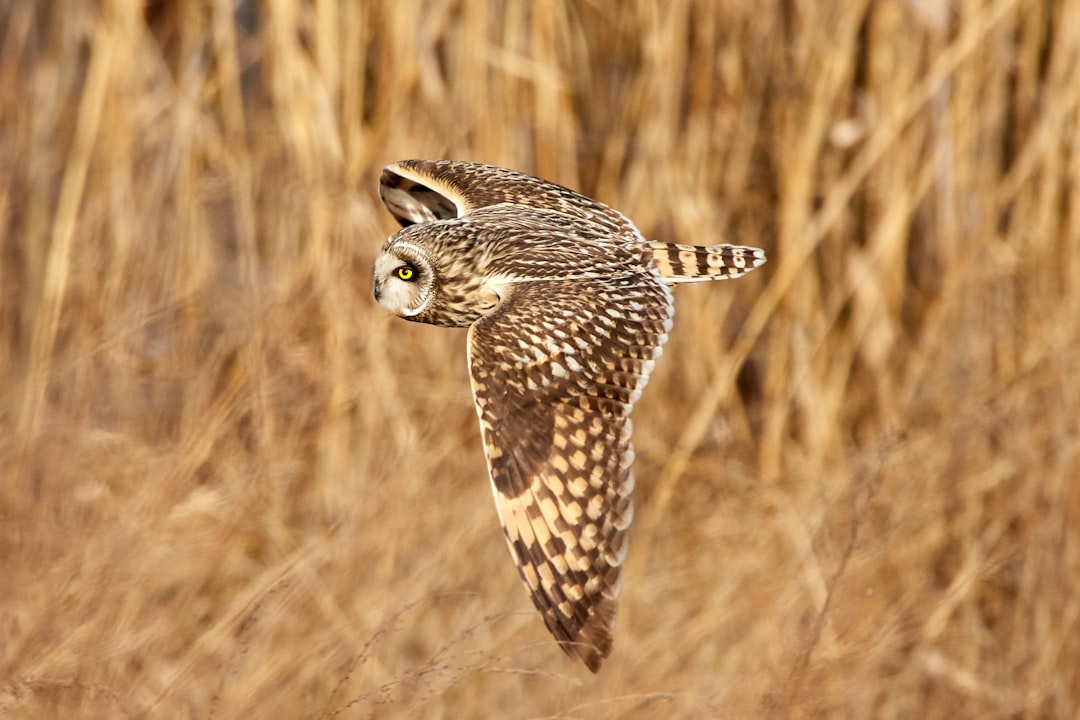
[(556, 370)]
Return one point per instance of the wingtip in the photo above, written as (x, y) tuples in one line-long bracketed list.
[(594, 640), (592, 656), (593, 661), (413, 197)]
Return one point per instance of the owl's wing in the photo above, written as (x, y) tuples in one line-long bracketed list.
[(556, 369), (420, 191)]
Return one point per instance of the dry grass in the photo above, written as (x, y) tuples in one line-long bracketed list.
[(232, 486)]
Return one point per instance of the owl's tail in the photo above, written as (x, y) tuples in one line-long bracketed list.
[(691, 263)]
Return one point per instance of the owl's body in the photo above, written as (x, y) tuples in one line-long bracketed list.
[(568, 308)]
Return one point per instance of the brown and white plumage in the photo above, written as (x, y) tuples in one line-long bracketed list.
[(568, 308)]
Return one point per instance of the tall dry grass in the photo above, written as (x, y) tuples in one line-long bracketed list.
[(232, 486)]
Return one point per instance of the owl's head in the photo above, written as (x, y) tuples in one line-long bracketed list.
[(404, 280)]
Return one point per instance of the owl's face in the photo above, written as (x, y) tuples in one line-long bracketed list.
[(432, 273), (404, 280)]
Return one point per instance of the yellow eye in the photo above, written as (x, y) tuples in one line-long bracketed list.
[(406, 273)]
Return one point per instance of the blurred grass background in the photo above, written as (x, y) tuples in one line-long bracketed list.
[(233, 486)]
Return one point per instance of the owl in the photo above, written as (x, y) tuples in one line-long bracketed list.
[(568, 307)]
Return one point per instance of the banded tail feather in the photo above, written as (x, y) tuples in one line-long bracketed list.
[(678, 263)]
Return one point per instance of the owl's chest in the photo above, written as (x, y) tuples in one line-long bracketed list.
[(462, 304)]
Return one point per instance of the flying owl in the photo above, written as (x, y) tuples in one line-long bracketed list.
[(568, 307)]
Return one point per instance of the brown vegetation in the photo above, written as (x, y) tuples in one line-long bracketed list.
[(233, 486)]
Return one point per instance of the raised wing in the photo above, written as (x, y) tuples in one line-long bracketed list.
[(419, 191), (556, 370)]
